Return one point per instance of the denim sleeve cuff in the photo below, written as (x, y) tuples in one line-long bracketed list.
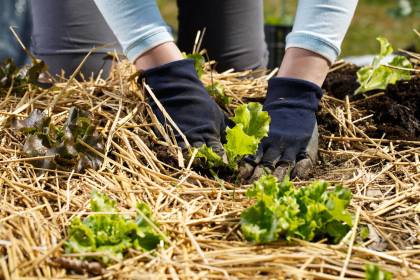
[(313, 43), (149, 41)]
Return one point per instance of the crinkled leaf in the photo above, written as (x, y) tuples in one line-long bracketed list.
[(78, 125), (378, 76), (337, 204), (254, 121), (373, 272), (217, 90), (108, 235), (385, 50), (398, 74), (212, 159), (259, 224), (243, 139), (309, 213), (44, 139), (37, 121), (199, 62), (266, 185), (102, 203), (11, 75), (35, 146), (239, 144)]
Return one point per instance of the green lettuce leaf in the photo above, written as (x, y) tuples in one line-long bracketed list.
[(217, 90), (107, 235), (282, 211), (199, 62), (373, 272), (255, 122), (239, 144), (379, 76), (251, 125), (212, 159)]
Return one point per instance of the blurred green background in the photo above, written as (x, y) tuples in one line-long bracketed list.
[(373, 18)]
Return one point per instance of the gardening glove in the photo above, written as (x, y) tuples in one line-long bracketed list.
[(177, 86), (292, 144)]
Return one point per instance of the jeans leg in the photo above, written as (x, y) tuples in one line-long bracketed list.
[(65, 31), (234, 31)]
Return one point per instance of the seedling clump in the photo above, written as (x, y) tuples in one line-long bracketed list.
[(67, 145), (13, 79), (282, 211), (106, 236)]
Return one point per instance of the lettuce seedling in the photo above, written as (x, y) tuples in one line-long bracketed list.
[(199, 62), (107, 236), (16, 80), (283, 211), (373, 272), (218, 92), (251, 126), (378, 75), (63, 144)]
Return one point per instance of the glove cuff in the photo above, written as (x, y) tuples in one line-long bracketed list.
[(170, 72), (290, 92)]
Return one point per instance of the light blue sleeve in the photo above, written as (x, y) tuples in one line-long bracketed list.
[(137, 24), (320, 26)]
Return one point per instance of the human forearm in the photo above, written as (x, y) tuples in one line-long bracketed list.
[(305, 65), (320, 26), (137, 25)]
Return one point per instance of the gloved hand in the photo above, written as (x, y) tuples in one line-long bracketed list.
[(180, 91), (292, 143)]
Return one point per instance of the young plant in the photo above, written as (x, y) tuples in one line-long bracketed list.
[(16, 80), (379, 76), (106, 236), (199, 62), (251, 126), (217, 90), (283, 211), (63, 144)]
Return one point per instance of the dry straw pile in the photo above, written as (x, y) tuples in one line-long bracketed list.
[(199, 215)]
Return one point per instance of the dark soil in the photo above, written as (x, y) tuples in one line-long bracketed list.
[(342, 82), (395, 114)]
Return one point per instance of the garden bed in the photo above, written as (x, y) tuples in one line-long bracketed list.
[(200, 215)]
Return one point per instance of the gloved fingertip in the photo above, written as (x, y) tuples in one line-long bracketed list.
[(258, 172), (303, 168), (197, 144), (245, 170), (282, 170), (217, 147)]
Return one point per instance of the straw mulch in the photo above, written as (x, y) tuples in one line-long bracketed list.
[(199, 215)]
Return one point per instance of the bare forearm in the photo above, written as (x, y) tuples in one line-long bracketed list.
[(162, 54), (303, 64)]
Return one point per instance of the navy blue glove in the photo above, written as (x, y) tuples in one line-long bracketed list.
[(292, 143), (178, 88)]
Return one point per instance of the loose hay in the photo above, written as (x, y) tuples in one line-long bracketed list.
[(199, 215)]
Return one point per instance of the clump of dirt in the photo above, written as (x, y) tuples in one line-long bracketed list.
[(342, 82), (395, 114)]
